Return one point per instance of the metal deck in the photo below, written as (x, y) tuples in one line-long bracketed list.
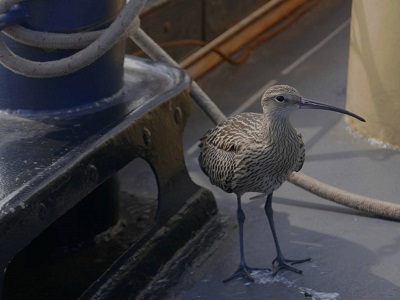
[(353, 255)]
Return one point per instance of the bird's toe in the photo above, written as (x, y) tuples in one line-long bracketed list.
[(280, 263), (245, 272)]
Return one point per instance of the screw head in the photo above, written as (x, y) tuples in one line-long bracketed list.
[(42, 211), (178, 115), (92, 173), (146, 135)]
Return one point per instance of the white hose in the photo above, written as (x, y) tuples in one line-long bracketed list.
[(368, 205), (122, 26), (156, 53), (53, 41)]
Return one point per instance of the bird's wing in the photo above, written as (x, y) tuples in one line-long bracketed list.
[(219, 149), (302, 153), (218, 165)]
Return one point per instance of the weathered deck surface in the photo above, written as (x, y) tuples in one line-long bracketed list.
[(353, 256)]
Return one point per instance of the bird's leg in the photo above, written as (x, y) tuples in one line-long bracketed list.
[(243, 270), (279, 262)]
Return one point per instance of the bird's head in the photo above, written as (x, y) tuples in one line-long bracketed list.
[(281, 100)]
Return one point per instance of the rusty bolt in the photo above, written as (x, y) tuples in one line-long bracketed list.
[(178, 115), (167, 27), (42, 211), (92, 173), (146, 136)]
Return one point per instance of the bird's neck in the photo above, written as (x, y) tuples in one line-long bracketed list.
[(275, 129)]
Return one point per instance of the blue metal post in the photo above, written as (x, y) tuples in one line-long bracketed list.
[(102, 79)]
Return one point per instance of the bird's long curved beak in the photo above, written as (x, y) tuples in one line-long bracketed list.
[(309, 104)]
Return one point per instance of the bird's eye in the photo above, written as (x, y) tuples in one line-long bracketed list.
[(280, 98)]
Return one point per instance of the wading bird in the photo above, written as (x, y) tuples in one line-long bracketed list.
[(256, 152)]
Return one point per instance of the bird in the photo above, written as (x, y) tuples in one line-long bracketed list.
[(256, 152)]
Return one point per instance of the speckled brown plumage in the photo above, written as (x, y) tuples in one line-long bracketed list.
[(251, 153)]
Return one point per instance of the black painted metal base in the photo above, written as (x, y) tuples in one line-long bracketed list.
[(51, 161)]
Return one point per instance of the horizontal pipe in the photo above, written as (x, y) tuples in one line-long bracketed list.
[(255, 24)]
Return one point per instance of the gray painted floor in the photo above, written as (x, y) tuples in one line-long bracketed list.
[(353, 256)]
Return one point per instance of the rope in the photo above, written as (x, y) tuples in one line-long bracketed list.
[(156, 53), (368, 205), (52, 41), (122, 26)]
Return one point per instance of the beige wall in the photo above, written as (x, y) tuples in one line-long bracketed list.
[(373, 89)]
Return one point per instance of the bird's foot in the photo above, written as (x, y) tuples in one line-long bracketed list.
[(245, 272), (280, 263)]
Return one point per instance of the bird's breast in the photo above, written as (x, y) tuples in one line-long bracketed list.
[(264, 169)]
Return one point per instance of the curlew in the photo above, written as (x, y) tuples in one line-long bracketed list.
[(256, 152)]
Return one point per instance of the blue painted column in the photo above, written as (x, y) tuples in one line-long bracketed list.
[(102, 79)]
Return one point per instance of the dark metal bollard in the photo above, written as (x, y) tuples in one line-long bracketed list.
[(100, 80), (64, 138)]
